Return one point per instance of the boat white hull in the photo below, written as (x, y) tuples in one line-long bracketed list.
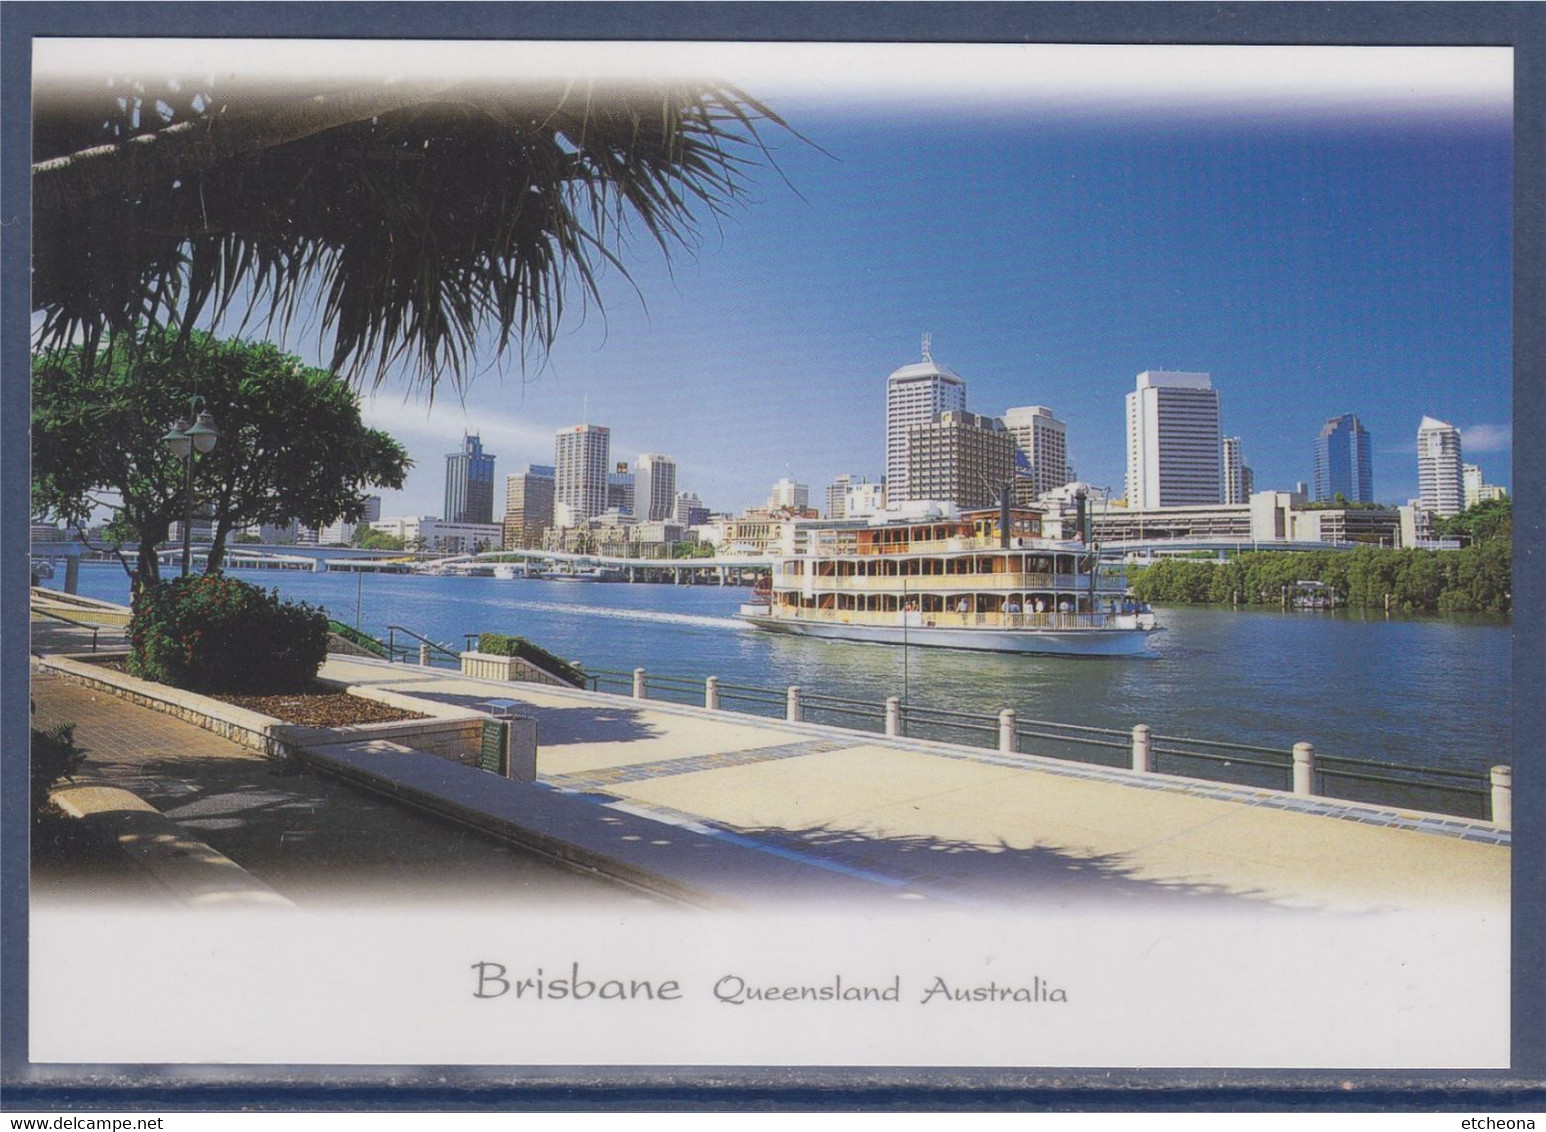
[(1049, 642)]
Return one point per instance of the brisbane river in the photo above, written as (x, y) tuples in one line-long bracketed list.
[(1421, 691)]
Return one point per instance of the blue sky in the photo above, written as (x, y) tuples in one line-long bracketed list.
[(1316, 256), (1324, 230)]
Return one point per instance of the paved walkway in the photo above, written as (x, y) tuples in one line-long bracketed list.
[(762, 809), (310, 837), (949, 822)]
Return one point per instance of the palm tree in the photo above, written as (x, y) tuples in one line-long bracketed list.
[(412, 217)]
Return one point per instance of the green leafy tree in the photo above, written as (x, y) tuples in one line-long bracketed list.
[(1489, 519), (368, 538), (291, 444), (415, 215), (1477, 578)]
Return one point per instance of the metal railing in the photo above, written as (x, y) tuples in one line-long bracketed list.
[(424, 652), (95, 629), (1463, 793)]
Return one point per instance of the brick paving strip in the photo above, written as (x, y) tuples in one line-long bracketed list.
[(719, 760)]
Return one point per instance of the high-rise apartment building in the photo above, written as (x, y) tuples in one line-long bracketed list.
[(916, 394), (1234, 470), (1041, 450), (1344, 461), (620, 491), (787, 493), (654, 487), (1440, 474), (960, 458), (470, 483), (581, 455), (1174, 446), (528, 506)]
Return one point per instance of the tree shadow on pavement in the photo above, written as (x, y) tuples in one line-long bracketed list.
[(1000, 873)]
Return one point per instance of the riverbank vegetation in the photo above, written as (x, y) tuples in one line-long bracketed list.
[(1475, 579)]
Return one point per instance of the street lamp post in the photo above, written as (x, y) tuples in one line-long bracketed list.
[(185, 440)]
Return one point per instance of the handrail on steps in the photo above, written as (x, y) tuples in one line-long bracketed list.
[(435, 647)]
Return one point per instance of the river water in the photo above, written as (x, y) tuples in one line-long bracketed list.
[(1420, 691)]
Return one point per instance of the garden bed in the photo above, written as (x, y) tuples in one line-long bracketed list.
[(272, 725), (321, 706)]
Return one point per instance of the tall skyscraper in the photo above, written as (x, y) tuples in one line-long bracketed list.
[(1041, 450), (916, 394), (960, 458), (528, 506), (1440, 474), (1344, 461), (654, 487), (1174, 446), (470, 483), (581, 455), (1234, 472)]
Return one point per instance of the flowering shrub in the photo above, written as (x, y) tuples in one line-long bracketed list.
[(210, 633)]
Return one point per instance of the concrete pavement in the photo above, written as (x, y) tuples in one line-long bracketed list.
[(941, 821), (719, 808)]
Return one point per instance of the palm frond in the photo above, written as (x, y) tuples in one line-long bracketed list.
[(423, 226)]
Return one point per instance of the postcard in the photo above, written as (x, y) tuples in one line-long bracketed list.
[(558, 557)]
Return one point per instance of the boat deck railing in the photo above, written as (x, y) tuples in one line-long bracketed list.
[(929, 583), (953, 620), (1463, 793)]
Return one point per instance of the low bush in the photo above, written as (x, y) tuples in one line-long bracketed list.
[(210, 633), (499, 644), (355, 637), (54, 756)]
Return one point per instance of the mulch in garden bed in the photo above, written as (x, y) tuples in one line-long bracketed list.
[(319, 707), (322, 708)]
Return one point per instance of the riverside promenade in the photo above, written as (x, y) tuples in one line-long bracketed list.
[(655, 800), (936, 821)]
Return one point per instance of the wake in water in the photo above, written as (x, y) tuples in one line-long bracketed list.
[(628, 614)]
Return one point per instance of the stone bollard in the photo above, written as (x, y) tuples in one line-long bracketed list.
[(1007, 739), (424, 656), (1142, 758), (1503, 797), (711, 693), (792, 711), (893, 715), (1304, 768), (638, 683)]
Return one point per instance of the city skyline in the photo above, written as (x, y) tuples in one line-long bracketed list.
[(1337, 243)]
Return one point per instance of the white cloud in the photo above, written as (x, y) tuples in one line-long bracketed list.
[(1486, 438), (415, 425)]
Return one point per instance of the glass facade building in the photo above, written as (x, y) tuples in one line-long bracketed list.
[(1344, 462)]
